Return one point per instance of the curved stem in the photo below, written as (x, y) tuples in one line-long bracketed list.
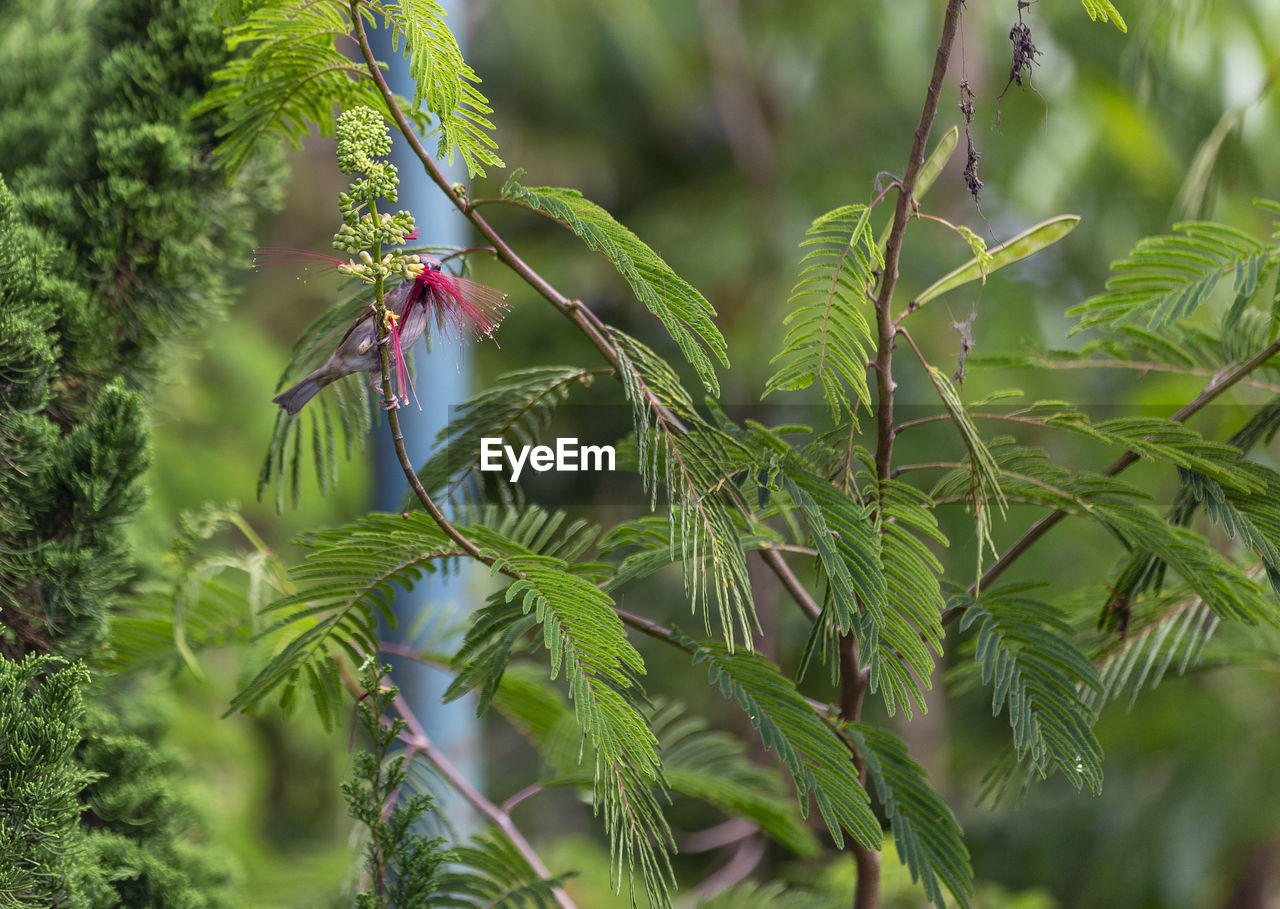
[(416, 738)]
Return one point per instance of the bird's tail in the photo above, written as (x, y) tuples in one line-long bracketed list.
[(292, 400)]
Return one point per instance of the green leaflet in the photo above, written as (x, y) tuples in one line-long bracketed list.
[(698, 763), (1023, 652), (715, 767), (846, 537), (444, 81), (678, 450), (1025, 244), (818, 760), (1226, 589), (1172, 632), (1102, 9), (985, 475), (516, 407), (282, 464), (896, 649), (489, 871), (684, 312), (926, 832), (828, 338), (346, 581), (495, 629), (296, 73), (585, 639), (1166, 278)]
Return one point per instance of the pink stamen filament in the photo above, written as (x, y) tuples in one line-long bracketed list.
[(402, 371)]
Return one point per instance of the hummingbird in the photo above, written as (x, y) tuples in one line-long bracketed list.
[(458, 305)]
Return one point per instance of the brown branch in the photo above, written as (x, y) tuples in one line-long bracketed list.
[(853, 676), (803, 598)]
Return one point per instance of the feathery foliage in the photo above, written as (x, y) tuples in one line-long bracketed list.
[(829, 339), (295, 72), (804, 742), (845, 534), (211, 598), (490, 872), (444, 82), (1223, 585), (1023, 650), (1171, 632), (874, 536), (1167, 278), (586, 640), (283, 462), (1103, 9), (684, 312), (1250, 518), (984, 480), (698, 762), (495, 630), (342, 588), (293, 76), (714, 767), (516, 407), (928, 836), (894, 645), (691, 459)]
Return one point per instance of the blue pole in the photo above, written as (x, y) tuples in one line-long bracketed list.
[(440, 604)]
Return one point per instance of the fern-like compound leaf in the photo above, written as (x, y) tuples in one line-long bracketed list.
[(1023, 651), (586, 641), (1104, 10), (445, 84), (895, 646), (348, 580), (516, 408), (296, 71), (1166, 278), (828, 337), (807, 745), (683, 311), (929, 838), (691, 459), (489, 871)]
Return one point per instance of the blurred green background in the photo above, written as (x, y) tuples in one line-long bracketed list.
[(717, 130)]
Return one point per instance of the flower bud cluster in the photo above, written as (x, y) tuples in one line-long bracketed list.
[(363, 138), (364, 231), (368, 271)]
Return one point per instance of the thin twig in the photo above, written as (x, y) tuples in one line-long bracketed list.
[(416, 737), (527, 792)]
